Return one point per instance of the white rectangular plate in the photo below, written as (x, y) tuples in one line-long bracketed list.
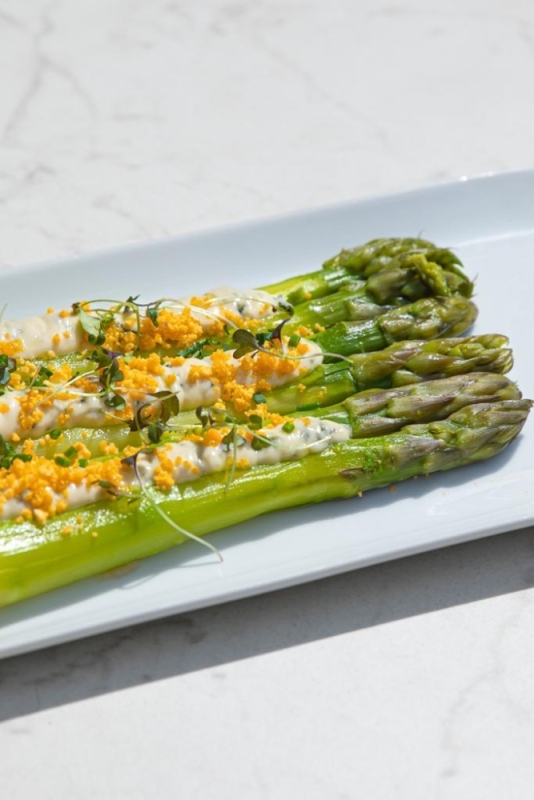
[(489, 221)]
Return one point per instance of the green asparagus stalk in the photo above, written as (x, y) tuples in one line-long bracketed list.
[(360, 262), (412, 268), (430, 318), (373, 255), (400, 364), (376, 412), (408, 277), (420, 320), (395, 273), (365, 326), (107, 535)]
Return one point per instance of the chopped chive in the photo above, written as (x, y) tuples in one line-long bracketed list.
[(55, 434), (294, 339), (288, 427), (259, 398), (259, 444), (255, 422)]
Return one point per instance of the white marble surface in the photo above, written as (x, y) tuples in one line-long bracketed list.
[(124, 120)]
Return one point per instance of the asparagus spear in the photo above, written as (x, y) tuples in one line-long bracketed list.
[(375, 412), (360, 262), (399, 364), (374, 254), (430, 318), (427, 318), (435, 271), (407, 277), (333, 383), (107, 535)]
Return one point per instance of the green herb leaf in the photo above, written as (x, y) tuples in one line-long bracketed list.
[(44, 374), (8, 454), (115, 401), (7, 366), (204, 416), (246, 341), (152, 313), (259, 443), (155, 432), (142, 418), (228, 439), (276, 333), (92, 325), (233, 439), (170, 405)]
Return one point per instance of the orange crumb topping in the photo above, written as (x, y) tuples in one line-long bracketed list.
[(11, 347)]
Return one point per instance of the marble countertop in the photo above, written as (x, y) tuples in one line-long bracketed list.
[(129, 120)]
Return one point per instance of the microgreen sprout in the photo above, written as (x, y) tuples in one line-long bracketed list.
[(7, 366), (155, 414), (114, 491), (95, 322), (132, 462), (41, 377), (232, 441), (247, 342)]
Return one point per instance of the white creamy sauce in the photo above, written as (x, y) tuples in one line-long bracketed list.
[(250, 304), (312, 436), (37, 333), (92, 412)]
